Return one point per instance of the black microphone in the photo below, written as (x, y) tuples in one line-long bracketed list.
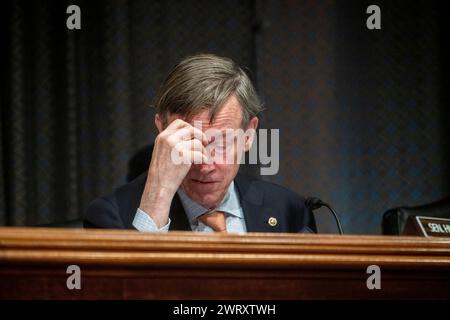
[(315, 203)]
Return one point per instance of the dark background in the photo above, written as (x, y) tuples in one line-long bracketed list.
[(363, 115)]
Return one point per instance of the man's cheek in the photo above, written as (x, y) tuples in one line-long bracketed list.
[(227, 172)]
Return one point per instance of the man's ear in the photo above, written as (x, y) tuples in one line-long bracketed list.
[(250, 133), (159, 123)]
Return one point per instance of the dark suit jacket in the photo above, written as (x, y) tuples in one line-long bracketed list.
[(260, 201)]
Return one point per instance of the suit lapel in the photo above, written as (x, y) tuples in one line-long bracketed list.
[(256, 214), (178, 215)]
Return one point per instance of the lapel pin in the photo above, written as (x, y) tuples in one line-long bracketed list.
[(272, 221)]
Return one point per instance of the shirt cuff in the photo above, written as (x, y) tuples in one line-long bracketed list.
[(144, 223)]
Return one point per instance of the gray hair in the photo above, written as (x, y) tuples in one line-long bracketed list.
[(206, 81)]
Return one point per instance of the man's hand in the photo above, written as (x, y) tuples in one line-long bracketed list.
[(165, 175)]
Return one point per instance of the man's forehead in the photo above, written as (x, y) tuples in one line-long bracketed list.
[(229, 116), (220, 121)]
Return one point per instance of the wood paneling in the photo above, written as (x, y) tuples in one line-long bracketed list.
[(119, 264)]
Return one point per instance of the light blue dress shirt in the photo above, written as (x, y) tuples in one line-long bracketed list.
[(230, 205)]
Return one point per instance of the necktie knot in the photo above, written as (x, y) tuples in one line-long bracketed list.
[(215, 220)]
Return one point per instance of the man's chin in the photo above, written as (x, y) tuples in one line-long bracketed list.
[(207, 200)]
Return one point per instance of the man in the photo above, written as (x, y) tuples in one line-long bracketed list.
[(191, 184)]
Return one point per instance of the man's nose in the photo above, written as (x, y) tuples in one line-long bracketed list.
[(203, 168)]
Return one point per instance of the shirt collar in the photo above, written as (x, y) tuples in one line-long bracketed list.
[(230, 204)]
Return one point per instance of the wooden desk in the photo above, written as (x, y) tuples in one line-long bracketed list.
[(118, 264)]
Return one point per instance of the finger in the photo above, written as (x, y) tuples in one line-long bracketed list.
[(198, 157), (185, 150), (189, 132), (191, 145), (182, 134), (176, 124), (195, 145), (188, 157), (198, 134)]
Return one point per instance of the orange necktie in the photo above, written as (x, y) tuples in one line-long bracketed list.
[(215, 220)]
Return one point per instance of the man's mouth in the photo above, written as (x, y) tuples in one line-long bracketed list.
[(203, 182)]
